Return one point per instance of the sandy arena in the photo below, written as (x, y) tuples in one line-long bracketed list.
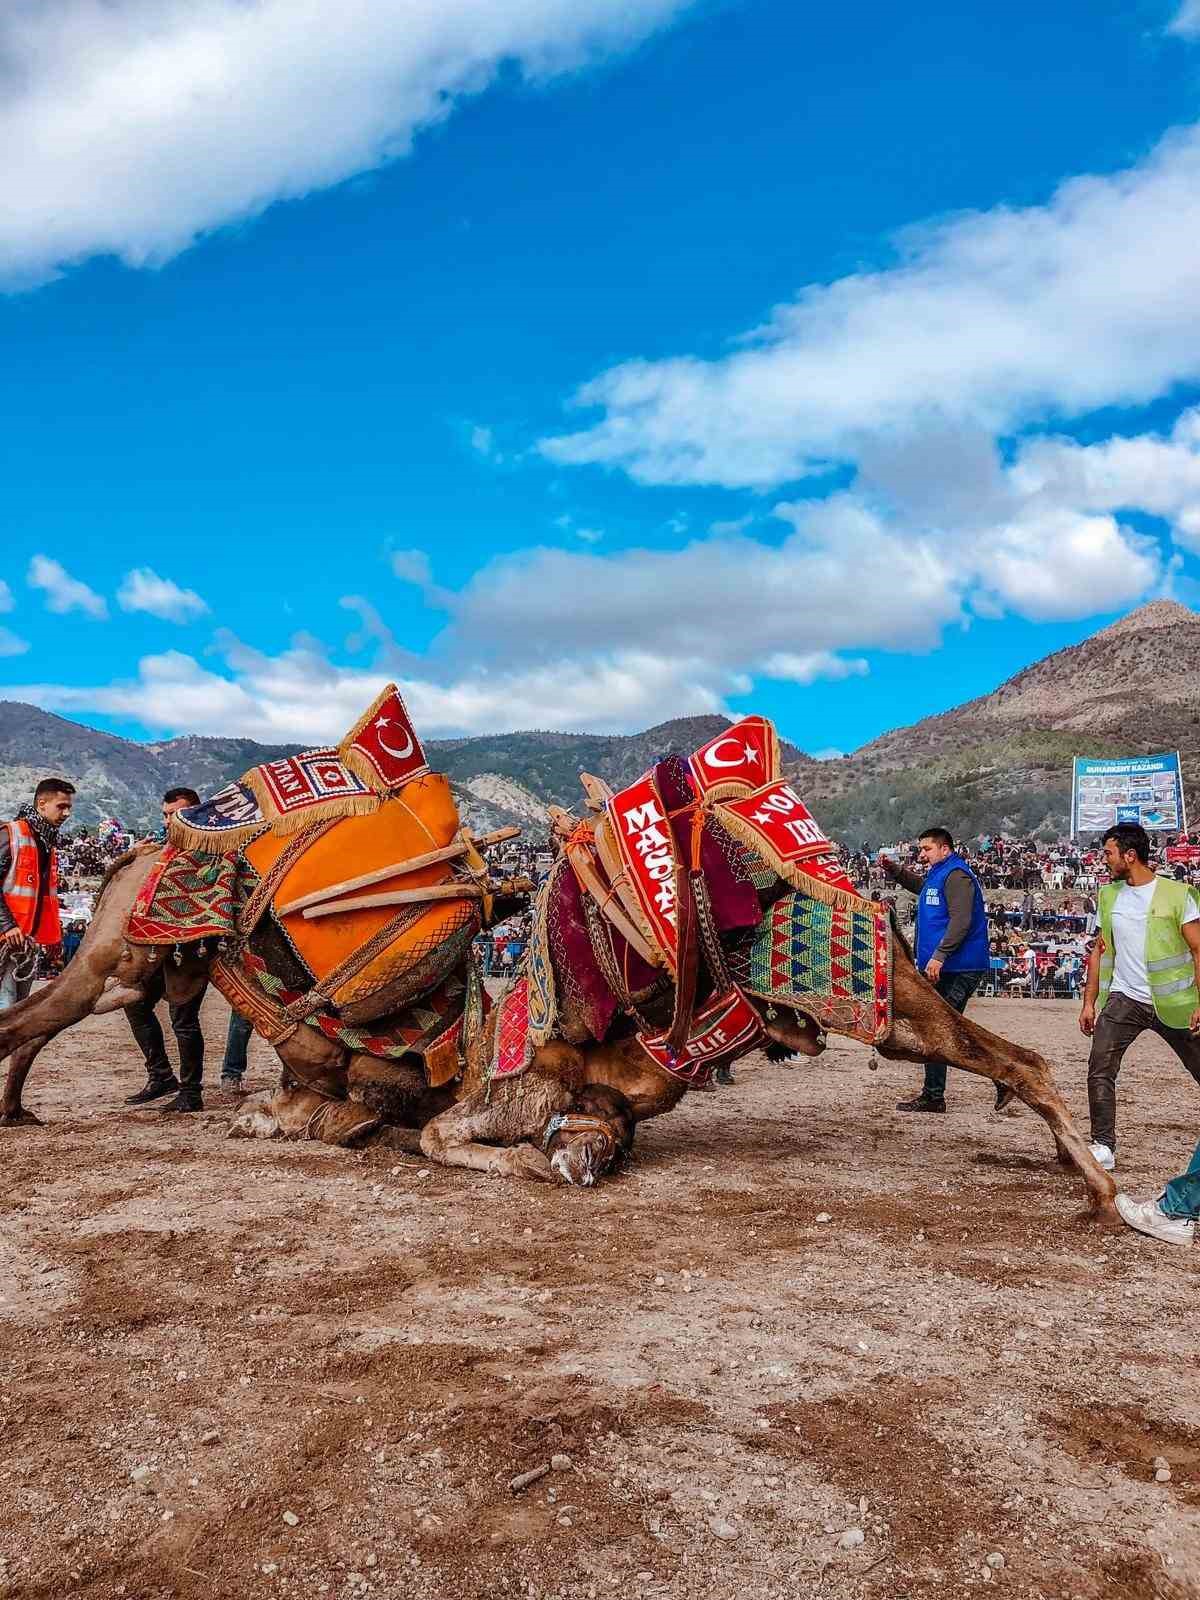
[(805, 1345)]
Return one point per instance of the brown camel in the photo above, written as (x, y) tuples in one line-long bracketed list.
[(572, 1112), (574, 1109)]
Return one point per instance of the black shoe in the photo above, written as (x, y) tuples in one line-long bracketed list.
[(924, 1102), (154, 1090), (185, 1100)]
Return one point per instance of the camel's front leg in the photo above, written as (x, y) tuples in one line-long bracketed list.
[(453, 1138), (926, 1027), (293, 1113), (12, 1113)]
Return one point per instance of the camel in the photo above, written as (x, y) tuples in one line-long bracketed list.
[(569, 1117)]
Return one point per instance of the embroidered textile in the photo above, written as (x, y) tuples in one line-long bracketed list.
[(188, 895), (775, 822), (512, 1049), (737, 761), (646, 842), (297, 790), (543, 1001), (832, 962), (382, 748), (225, 821), (726, 1028)]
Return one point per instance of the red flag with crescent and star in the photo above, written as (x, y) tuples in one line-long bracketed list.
[(382, 748), (737, 761)]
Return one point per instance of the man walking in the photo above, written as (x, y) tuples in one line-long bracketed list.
[(1143, 973), (29, 910), (185, 1022), (952, 938)]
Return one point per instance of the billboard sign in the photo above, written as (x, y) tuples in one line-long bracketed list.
[(1143, 789)]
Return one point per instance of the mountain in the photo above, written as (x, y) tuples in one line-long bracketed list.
[(1003, 761), (1000, 762), (499, 780)]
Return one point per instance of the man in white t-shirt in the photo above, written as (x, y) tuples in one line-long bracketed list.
[(1144, 969)]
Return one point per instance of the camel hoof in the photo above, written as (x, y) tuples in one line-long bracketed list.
[(20, 1118), (526, 1161), (1101, 1218)]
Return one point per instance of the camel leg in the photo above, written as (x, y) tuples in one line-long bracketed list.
[(926, 1027), (295, 1113), (453, 1139), (12, 1113)]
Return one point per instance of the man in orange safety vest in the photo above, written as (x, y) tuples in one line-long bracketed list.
[(29, 914)]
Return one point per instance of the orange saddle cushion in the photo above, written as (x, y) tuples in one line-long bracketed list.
[(423, 817)]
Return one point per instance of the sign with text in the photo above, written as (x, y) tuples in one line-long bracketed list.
[(1143, 789)]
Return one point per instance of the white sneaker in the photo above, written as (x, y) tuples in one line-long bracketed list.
[(1147, 1216), (1103, 1156)]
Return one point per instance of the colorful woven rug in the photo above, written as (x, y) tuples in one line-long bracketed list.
[(297, 790), (187, 896), (420, 1028), (832, 962)]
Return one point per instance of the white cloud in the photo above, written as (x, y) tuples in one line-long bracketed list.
[(588, 535), (143, 590), (1057, 564), (6, 597), (63, 592), (143, 124), (12, 644), (1187, 19), (1000, 318), (1148, 472), (808, 668), (301, 697)]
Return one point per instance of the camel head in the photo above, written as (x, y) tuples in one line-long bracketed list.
[(588, 1140)]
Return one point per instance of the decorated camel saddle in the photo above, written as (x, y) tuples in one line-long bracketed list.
[(344, 893), (680, 898)]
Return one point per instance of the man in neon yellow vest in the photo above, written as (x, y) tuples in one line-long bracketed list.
[(1143, 973)]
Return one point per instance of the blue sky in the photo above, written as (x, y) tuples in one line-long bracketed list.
[(583, 363)]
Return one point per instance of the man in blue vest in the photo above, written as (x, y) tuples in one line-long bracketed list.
[(952, 938)]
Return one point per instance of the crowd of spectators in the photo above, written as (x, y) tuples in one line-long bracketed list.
[(1041, 898), (1041, 902)]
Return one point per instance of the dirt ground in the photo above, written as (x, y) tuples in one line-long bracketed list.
[(237, 1369)]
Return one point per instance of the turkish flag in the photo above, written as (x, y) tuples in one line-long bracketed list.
[(383, 749), (737, 761)]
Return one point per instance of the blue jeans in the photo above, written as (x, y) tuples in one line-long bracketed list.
[(955, 988), (13, 988), (1182, 1195), (233, 1064)]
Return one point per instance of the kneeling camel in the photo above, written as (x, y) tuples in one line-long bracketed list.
[(572, 1112)]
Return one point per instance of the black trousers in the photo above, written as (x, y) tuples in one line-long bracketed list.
[(185, 1025), (955, 988), (1117, 1026)]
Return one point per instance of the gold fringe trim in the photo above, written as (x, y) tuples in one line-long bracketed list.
[(349, 805), (538, 960), (357, 763), (354, 761), (207, 843), (795, 875)]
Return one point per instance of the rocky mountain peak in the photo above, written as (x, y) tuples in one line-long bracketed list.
[(1155, 614)]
